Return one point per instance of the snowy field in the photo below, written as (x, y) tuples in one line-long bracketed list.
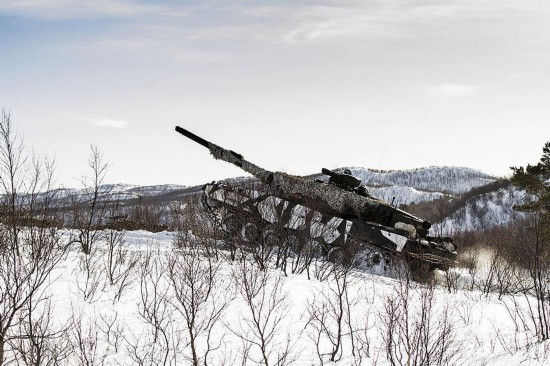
[(168, 306)]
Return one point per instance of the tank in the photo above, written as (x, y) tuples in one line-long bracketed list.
[(337, 212)]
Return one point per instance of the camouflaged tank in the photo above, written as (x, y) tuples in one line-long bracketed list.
[(336, 212)]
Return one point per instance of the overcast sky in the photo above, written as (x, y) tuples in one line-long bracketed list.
[(291, 85)]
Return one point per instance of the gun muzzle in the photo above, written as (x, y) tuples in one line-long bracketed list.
[(192, 136)]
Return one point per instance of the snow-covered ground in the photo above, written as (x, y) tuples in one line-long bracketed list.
[(298, 315)]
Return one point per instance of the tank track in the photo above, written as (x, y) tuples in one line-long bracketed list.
[(251, 216)]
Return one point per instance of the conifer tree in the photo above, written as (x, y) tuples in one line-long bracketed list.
[(534, 243), (535, 179)]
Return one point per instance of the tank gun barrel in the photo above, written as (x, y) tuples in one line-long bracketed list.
[(190, 135), (229, 156)]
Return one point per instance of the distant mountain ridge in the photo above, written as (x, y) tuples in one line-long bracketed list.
[(418, 185), (478, 199), (451, 180), (485, 211), (424, 183)]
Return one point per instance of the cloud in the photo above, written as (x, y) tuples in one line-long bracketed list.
[(59, 9), (110, 123), (102, 122), (400, 19), (105, 122), (165, 46), (205, 31), (322, 23), (453, 90)]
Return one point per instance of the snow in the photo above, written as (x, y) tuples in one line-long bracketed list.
[(451, 180), (404, 195), (483, 331), (485, 211), (419, 185), (121, 191)]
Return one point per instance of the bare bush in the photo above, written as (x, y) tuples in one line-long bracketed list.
[(118, 263), (533, 254), (415, 331), (112, 329), (199, 296), (29, 249), (158, 342), (500, 270), (331, 325), (196, 227), (263, 310), (144, 215), (88, 348), (452, 280), (89, 275), (90, 204), (40, 340), (470, 262), (88, 210)]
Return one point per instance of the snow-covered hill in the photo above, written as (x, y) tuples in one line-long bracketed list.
[(143, 317), (123, 191), (484, 211), (481, 211), (452, 180), (420, 185), (404, 195)]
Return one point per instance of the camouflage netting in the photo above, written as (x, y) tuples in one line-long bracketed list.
[(370, 219), (237, 159), (325, 198)]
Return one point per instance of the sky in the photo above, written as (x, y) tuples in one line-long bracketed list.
[(293, 86)]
